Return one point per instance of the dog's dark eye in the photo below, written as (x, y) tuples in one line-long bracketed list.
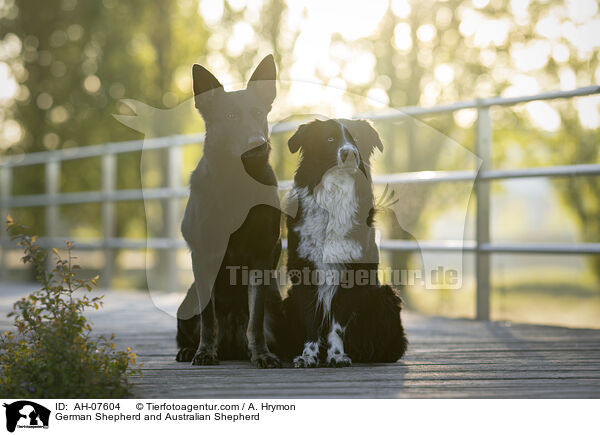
[(329, 139)]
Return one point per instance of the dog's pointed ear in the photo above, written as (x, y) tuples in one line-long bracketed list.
[(364, 134), (263, 80), (205, 85), (298, 138)]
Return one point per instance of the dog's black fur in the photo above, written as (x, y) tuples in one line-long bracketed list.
[(367, 317), (239, 320)]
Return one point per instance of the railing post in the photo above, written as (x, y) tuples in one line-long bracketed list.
[(482, 224), (52, 188), (5, 193), (109, 164), (173, 213)]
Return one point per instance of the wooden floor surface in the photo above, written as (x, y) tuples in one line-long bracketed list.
[(447, 358)]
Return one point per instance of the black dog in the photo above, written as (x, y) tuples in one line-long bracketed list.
[(231, 222), (344, 310)]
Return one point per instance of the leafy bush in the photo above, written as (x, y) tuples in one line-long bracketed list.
[(53, 353)]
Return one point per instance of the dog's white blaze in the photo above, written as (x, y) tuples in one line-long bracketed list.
[(328, 217), (347, 143), (335, 343)]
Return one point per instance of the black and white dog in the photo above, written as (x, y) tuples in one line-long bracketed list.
[(338, 312)]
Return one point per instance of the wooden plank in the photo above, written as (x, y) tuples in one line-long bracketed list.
[(447, 358)]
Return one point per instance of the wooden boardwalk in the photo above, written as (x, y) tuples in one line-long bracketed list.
[(447, 358)]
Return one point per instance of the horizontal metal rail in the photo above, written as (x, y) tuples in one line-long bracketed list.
[(71, 198), (417, 111), (90, 151), (499, 248), (492, 174), (159, 193), (386, 245)]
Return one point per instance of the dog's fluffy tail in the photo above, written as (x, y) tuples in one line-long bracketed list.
[(375, 332)]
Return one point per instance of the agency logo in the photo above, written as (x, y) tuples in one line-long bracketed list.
[(24, 414)]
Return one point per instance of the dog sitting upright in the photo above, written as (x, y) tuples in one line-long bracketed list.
[(345, 310), (232, 222)]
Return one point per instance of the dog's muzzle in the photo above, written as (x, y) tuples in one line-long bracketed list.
[(257, 146), (348, 156)]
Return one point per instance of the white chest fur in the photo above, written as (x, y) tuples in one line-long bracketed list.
[(328, 216)]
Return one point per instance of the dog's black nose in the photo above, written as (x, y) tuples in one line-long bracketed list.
[(344, 154), (348, 154), (255, 141), (257, 146)]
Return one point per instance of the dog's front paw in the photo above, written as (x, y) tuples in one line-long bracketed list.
[(339, 360), (304, 361), (266, 360), (185, 354), (205, 358)]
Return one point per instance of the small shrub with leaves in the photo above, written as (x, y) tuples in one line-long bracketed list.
[(52, 353)]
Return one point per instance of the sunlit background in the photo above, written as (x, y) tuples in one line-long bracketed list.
[(66, 64)]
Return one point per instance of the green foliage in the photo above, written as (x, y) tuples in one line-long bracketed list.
[(136, 50), (53, 354)]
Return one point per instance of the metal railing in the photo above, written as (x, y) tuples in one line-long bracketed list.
[(173, 192)]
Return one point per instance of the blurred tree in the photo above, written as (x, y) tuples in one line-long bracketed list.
[(574, 145), (77, 60), (439, 52)]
